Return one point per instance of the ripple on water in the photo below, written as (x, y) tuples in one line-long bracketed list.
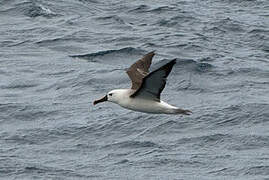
[(50, 130), (31, 9)]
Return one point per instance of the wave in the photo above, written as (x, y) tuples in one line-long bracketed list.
[(19, 85), (155, 10), (162, 9), (253, 113), (111, 19), (226, 25), (89, 1), (121, 57), (139, 9), (30, 170), (259, 37), (41, 136), (261, 170), (257, 170), (31, 9), (168, 127), (176, 21), (226, 141), (126, 50), (34, 10), (24, 112), (133, 144), (194, 66)]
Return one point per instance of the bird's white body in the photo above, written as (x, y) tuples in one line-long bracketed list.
[(122, 98), (144, 95)]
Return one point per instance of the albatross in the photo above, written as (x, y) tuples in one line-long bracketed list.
[(144, 95)]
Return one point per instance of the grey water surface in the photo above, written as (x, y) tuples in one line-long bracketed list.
[(57, 57)]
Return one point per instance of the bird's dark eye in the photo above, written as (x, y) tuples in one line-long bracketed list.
[(110, 94)]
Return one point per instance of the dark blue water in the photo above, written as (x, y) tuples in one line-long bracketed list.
[(56, 57)]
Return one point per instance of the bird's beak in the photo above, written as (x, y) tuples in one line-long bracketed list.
[(103, 99)]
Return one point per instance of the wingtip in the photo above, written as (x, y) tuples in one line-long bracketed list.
[(149, 55), (171, 63), (174, 61), (152, 52)]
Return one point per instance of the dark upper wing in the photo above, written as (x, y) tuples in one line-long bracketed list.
[(139, 70), (154, 83)]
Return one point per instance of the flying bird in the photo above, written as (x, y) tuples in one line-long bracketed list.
[(144, 95)]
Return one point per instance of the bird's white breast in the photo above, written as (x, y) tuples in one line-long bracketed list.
[(144, 105), (141, 104)]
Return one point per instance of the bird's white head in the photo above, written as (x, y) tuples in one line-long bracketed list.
[(112, 96)]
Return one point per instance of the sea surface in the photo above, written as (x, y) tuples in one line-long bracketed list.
[(57, 57)]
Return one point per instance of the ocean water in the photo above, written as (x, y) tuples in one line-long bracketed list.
[(57, 57)]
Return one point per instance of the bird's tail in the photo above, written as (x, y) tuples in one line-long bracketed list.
[(182, 111)]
